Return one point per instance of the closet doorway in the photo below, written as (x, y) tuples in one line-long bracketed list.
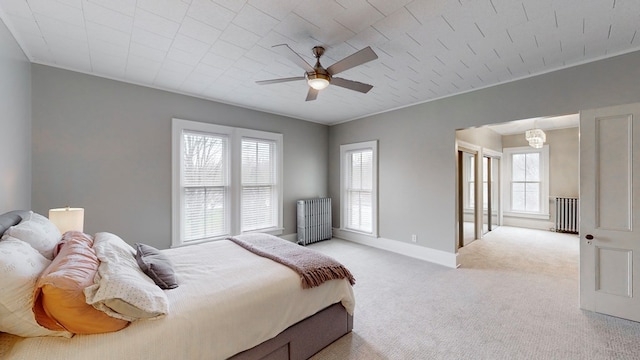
[(478, 184), (467, 195)]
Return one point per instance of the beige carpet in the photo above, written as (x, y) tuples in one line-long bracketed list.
[(515, 297)]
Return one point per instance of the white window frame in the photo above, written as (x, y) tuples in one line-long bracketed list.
[(235, 136), (544, 181), (344, 170)]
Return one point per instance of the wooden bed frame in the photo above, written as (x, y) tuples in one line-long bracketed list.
[(298, 342)]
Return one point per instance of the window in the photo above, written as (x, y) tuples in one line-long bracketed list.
[(259, 184), (359, 187), (528, 181), (226, 181)]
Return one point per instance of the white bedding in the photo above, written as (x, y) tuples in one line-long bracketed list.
[(228, 300)]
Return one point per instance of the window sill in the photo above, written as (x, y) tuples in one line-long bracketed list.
[(356, 232), (537, 216), (270, 231)]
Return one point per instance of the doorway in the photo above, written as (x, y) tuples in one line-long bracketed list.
[(478, 194)]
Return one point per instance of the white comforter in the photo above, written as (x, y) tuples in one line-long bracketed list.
[(229, 300)]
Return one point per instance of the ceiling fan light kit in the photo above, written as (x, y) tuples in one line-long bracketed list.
[(319, 78), (318, 81)]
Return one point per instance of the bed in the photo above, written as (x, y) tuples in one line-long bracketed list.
[(229, 303)]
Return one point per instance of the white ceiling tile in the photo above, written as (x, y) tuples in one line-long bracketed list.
[(389, 7), (397, 24), (279, 9), (60, 29), (260, 54), (190, 45), (208, 70), (239, 36), (74, 3), (126, 7), (26, 26), (428, 11), (233, 5), (150, 39), (357, 15), (183, 57), (211, 14), (216, 60), (155, 24), (227, 49), (59, 11), (146, 52), (108, 48), (199, 30), (534, 9), (218, 49), (176, 67), (108, 17), (255, 20), (38, 48), (168, 9), (97, 31), (295, 28), (17, 8)]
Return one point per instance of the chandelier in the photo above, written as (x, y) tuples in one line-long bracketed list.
[(535, 137)]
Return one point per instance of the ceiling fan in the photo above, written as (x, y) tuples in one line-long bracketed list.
[(318, 77)]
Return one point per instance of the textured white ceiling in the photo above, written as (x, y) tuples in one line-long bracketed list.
[(217, 49)]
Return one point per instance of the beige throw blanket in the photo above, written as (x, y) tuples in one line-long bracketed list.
[(313, 267)]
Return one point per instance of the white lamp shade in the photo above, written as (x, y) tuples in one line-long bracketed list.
[(66, 219)]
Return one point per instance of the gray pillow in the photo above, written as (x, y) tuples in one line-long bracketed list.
[(157, 266)]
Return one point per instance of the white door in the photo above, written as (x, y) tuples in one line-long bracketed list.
[(610, 211)]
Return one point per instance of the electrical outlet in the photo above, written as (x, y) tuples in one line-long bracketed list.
[(414, 238)]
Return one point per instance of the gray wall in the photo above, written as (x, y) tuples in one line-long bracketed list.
[(15, 125), (563, 159), (416, 144), (106, 146)]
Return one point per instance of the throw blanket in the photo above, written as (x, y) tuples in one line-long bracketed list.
[(313, 267)]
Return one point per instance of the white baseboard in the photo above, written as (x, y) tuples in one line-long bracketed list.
[(419, 252), (290, 237), (527, 223)]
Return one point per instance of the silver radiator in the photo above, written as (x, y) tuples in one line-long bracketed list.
[(567, 214), (314, 220)]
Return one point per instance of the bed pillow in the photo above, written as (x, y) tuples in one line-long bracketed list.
[(60, 301), (120, 287), (156, 265), (37, 231), (20, 267)]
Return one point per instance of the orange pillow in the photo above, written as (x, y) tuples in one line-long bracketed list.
[(60, 302)]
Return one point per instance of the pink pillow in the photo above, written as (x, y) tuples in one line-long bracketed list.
[(60, 301)]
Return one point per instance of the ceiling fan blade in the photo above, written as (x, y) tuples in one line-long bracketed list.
[(286, 51), (275, 81), (351, 85), (312, 94), (363, 56)]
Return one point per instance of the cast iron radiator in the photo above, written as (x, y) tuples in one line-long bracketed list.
[(567, 214), (314, 220)]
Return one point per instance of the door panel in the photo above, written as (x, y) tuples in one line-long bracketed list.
[(609, 214)]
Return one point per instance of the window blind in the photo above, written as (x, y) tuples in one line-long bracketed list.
[(359, 190), (259, 190), (205, 185)]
